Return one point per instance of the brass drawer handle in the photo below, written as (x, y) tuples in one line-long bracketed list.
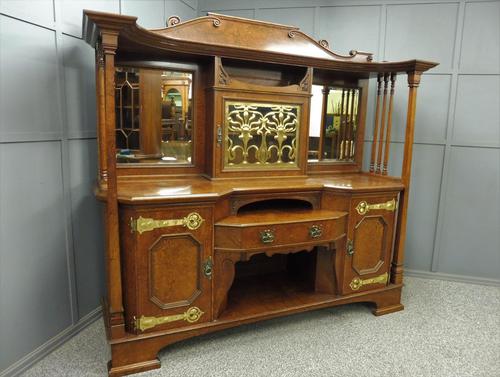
[(357, 283), (267, 236), (192, 221), (315, 231), (363, 207)]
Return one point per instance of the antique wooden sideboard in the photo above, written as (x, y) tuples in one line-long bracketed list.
[(230, 165)]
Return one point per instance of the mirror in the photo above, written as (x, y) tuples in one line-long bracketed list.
[(153, 116), (333, 123)]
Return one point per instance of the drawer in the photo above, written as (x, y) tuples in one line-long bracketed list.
[(271, 229)]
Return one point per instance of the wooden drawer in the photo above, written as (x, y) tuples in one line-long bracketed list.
[(278, 228)]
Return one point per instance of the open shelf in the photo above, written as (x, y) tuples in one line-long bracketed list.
[(267, 294)]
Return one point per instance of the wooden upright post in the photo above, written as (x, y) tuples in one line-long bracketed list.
[(399, 247), (101, 111), (113, 265)]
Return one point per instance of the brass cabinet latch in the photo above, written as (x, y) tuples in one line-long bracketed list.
[(267, 236), (357, 283), (350, 247), (208, 268), (363, 207), (219, 134), (193, 314), (192, 221), (315, 231)]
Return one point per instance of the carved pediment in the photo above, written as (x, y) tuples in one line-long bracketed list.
[(221, 30)]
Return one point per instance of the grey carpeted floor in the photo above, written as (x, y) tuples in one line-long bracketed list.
[(447, 329)]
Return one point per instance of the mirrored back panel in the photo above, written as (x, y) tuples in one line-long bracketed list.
[(154, 122), (333, 123)]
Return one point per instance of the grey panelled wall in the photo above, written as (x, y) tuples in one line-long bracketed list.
[(51, 269), (453, 226), (51, 239)]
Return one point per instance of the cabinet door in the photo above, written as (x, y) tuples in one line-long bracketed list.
[(370, 242), (173, 267)]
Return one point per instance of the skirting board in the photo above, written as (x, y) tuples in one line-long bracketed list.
[(452, 277), (39, 353)]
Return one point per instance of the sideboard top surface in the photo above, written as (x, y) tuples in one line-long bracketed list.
[(158, 190)]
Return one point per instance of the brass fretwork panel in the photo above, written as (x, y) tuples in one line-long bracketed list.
[(264, 135)]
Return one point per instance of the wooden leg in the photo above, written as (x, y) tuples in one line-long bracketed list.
[(133, 357), (388, 302), (223, 279)]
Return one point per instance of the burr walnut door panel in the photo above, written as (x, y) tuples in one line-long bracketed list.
[(370, 242), (174, 266)]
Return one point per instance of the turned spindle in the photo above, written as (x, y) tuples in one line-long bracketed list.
[(375, 129), (378, 168), (389, 125)]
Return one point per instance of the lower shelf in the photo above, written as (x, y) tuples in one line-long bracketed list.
[(267, 294)]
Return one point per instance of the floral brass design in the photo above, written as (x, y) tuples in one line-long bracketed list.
[(357, 283), (261, 134), (192, 315), (363, 207), (192, 221)]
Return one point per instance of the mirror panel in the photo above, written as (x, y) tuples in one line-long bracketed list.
[(333, 123), (153, 116)]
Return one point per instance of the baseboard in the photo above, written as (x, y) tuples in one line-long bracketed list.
[(39, 353), (452, 277)]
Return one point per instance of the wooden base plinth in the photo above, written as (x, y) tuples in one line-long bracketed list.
[(138, 353)]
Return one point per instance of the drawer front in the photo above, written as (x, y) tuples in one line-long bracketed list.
[(369, 242), (173, 267), (276, 235)]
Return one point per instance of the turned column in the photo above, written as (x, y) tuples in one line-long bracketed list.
[(399, 247)]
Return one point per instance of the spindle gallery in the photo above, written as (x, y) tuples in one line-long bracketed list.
[(230, 166)]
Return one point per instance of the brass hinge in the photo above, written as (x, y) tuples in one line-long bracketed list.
[(193, 314), (219, 134), (208, 268), (357, 283), (192, 221), (363, 207)]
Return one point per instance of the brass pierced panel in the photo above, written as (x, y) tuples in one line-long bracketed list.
[(261, 135), (127, 108)]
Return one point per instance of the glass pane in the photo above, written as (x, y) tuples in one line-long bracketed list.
[(261, 135), (153, 116), (333, 123)]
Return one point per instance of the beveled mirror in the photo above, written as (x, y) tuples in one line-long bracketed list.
[(153, 116), (333, 123)]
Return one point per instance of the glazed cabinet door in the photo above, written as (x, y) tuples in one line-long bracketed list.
[(370, 242), (173, 267)]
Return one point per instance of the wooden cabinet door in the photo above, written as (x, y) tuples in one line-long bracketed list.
[(370, 242), (173, 266)]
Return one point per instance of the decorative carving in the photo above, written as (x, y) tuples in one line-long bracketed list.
[(173, 20), (216, 22), (292, 33), (260, 133), (324, 43), (222, 76), (369, 55), (304, 83)]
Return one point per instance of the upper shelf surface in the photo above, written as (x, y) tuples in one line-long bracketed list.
[(239, 38)]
